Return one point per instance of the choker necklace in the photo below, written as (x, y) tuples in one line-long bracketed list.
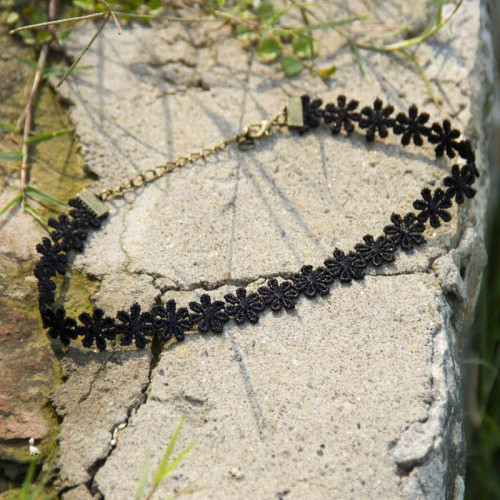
[(167, 321)]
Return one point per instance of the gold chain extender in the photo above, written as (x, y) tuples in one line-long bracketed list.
[(244, 140)]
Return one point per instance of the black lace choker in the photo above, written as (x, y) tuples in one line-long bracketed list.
[(166, 321)]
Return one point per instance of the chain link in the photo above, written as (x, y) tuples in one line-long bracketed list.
[(244, 140)]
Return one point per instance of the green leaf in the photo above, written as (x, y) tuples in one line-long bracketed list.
[(38, 17), (326, 73), (282, 33), (48, 135), (64, 34), (11, 156), (242, 31), (27, 37), (8, 127), (28, 62), (217, 4), (12, 18), (303, 46), (11, 203), (265, 10), (43, 36), (86, 5), (37, 194), (291, 65), (269, 50)]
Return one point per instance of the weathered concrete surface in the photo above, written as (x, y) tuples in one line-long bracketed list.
[(352, 396)]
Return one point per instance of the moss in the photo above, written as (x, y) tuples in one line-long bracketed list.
[(56, 168)]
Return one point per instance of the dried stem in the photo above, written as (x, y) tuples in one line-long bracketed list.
[(28, 116), (28, 110), (82, 53), (58, 21)]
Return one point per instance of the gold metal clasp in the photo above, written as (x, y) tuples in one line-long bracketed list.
[(254, 131), (294, 113), (257, 130), (92, 202)]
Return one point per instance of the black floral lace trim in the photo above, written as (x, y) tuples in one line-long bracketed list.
[(165, 322)]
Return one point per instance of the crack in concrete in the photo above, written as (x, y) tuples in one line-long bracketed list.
[(97, 466)]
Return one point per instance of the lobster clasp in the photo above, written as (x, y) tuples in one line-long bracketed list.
[(254, 131), (257, 130)]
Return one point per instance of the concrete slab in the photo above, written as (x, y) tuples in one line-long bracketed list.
[(355, 395)]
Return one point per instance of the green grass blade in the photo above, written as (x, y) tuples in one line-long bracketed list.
[(359, 59), (11, 156), (60, 70), (48, 135), (480, 362), (273, 20), (34, 213), (40, 485), (27, 62), (430, 30), (12, 202), (8, 127), (37, 194), (435, 20), (160, 471), (172, 465), (139, 492), (84, 50), (24, 494), (423, 75)]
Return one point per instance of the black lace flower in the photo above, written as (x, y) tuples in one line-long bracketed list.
[(211, 316), (342, 115), (405, 232), (466, 152), (376, 119), (52, 258), (83, 218), (459, 184), (243, 306), (445, 138), (43, 270), (433, 207), (171, 321), (46, 289), (68, 236), (279, 296), (311, 112), (96, 328), (311, 281), (135, 326), (60, 326), (412, 126), (376, 252), (346, 267)]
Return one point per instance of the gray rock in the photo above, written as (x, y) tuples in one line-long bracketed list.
[(353, 396)]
